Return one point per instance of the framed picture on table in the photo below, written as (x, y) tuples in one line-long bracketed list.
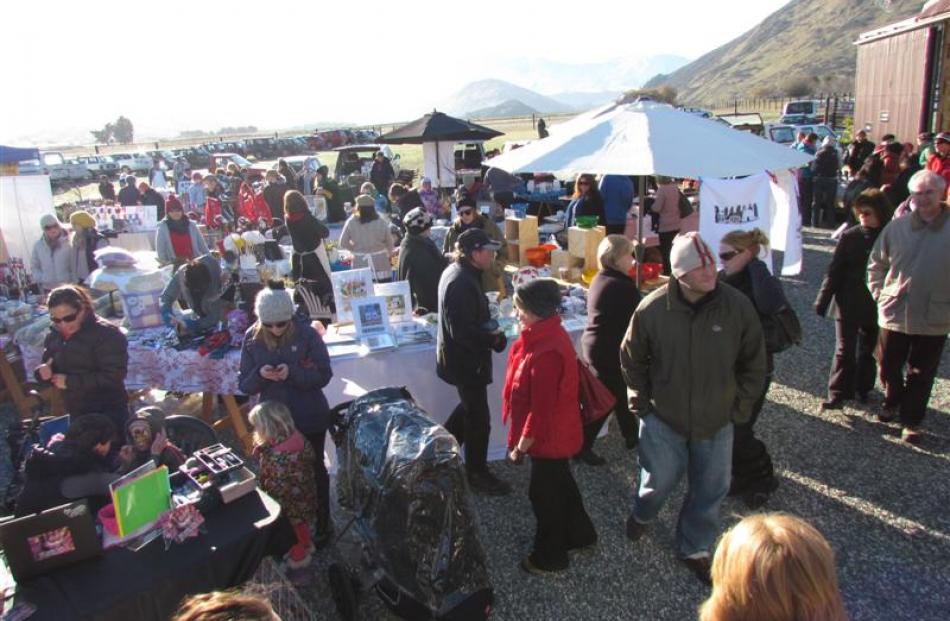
[(398, 298), (350, 285), (369, 316)]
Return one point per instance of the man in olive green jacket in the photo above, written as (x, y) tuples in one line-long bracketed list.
[(469, 218), (693, 359)]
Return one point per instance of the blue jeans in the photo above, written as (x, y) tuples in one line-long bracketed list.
[(664, 455)]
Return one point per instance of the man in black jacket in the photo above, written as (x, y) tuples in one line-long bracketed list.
[(150, 197), (466, 339), (858, 151), (824, 170)]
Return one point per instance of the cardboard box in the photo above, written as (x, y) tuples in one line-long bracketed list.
[(562, 258), (243, 482), (582, 243)]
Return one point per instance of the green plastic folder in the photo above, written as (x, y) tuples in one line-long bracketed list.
[(141, 501)]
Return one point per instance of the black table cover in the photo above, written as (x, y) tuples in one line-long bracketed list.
[(150, 584)]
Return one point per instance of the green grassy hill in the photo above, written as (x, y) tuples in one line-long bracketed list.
[(810, 39)]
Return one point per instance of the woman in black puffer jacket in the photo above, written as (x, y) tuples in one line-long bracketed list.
[(85, 357)]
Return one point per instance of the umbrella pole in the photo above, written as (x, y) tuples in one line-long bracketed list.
[(641, 192), (438, 165)]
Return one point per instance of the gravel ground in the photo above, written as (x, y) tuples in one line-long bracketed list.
[(881, 503)]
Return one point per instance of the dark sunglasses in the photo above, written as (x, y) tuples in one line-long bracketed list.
[(51, 226), (66, 319), (583, 183), (465, 212), (725, 256), (279, 324)]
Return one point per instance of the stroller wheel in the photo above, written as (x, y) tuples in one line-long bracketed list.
[(343, 588)]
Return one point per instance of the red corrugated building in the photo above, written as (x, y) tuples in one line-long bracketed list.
[(902, 75)]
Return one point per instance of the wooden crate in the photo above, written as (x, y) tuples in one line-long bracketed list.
[(521, 233), (562, 258), (582, 244)]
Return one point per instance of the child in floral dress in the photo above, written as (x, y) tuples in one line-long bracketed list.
[(286, 472)]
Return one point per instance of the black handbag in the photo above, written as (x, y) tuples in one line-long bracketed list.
[(782, 330)]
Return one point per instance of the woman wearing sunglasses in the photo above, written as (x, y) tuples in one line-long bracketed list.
[(753, 476), (85, 357), (284, 360), (586, 201), (469, 218)]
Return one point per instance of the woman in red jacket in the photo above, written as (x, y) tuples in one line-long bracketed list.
[(544, 421)]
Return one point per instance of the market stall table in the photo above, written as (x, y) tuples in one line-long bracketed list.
[(122, 585), (135, 242)]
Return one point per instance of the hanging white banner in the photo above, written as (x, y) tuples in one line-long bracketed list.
[(757, 201)]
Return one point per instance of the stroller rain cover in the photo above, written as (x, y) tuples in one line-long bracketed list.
[(402, 475)]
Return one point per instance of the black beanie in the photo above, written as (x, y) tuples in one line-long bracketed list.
[(541, 297)]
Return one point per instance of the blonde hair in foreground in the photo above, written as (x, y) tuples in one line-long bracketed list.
[(272, 422), (611, 249), (776, 567)]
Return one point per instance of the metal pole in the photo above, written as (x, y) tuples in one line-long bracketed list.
[(642, 191)]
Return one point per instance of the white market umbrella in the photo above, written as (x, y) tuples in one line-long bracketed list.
[(649, 138)]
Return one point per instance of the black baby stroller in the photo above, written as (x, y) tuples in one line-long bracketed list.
[(416, 542)]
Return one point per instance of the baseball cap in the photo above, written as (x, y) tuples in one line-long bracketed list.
[(476, 239)]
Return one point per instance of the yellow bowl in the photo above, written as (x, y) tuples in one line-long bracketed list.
[(588, 276)]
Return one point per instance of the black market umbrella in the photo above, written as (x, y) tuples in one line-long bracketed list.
[(438, 127)]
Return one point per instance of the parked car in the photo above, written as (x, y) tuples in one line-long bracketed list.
[(260, 148), (100, 165), (353, 159), (133, 162), (744, 121), (786, 134), (296, 163), (62, 170), (197, 157), (468, 157), (32, 167)]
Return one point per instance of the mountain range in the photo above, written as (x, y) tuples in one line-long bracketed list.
[(571, 87), (805, 39)]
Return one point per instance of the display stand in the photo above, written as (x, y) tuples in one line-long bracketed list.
[(521, 234)]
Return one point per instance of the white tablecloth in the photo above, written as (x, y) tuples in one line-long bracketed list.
[(411, 366), (135, 241)]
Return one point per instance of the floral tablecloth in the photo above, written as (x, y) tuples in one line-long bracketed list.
[(169, 369)]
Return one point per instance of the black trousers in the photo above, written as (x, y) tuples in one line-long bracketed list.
[(626, 420), (562, 521), (805, 191), (615, 229), (854, 368), (316, 440), (666, 246), (823, 202), (921, 355), (752, 468), (470, 423)]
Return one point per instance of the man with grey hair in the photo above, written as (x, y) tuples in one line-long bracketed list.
[(907, 277)]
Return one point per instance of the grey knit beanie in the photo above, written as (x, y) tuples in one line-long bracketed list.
[(541, 297), (273, 305)]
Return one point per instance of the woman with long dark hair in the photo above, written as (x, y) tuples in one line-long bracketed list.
[(369, 238), (586, 201), (853, 369), (307, 235), (85, 357)]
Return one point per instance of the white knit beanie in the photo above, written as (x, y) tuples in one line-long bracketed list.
[(273, 305), (689, 252)]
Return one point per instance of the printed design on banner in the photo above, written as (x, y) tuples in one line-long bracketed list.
[(737, 214)]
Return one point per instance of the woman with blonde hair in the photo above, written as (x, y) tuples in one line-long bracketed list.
[(611, 300), (225, 606), (776, 567), (753, 476)]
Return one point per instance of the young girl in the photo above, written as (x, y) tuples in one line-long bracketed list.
[(286, 472)]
